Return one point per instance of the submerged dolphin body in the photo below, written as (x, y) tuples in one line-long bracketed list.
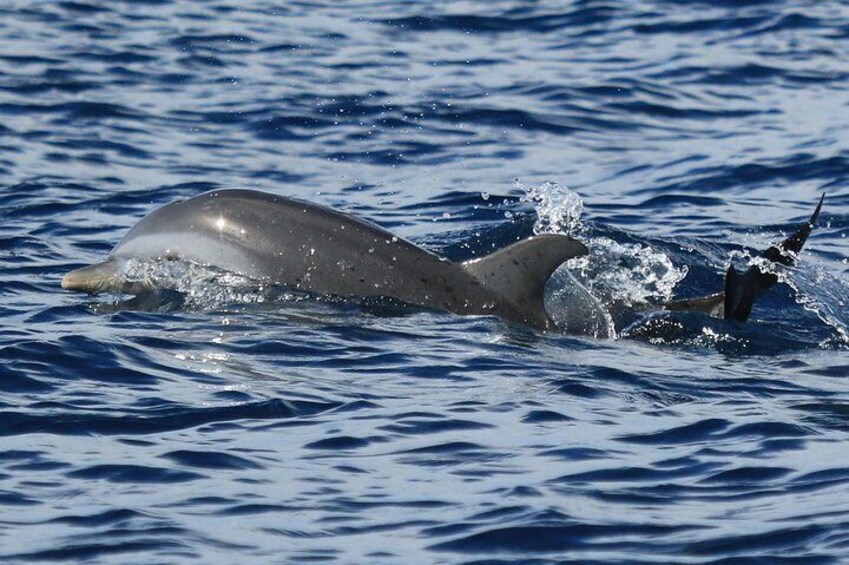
[(316, 249)]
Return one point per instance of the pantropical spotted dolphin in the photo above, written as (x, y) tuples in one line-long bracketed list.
[(312, 248)]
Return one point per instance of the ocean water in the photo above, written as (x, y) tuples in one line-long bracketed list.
[(674, 136)]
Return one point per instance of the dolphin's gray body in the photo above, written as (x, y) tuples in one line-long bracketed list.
[(313, 248)]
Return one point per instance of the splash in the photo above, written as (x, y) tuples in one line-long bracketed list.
[(200, 286), (558, 208), (615, 274), (627, 274), (822, 293)]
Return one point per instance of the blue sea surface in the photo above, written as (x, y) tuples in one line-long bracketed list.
[(674, 136)]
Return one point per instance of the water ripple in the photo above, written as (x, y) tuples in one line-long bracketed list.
[(243, 426)]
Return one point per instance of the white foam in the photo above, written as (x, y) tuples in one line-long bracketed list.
[(615, 274), (202, 286)]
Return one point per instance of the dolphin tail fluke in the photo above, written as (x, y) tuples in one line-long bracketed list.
[(743, 289), (519, 273)]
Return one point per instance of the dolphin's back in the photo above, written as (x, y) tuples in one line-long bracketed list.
[(288, 241)]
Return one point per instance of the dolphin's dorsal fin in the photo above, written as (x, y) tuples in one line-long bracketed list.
[(519, 273)]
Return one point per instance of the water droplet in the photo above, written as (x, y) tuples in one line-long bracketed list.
[(558, 208)]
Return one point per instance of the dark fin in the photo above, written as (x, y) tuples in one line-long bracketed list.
[(519, 273), (743, 289)]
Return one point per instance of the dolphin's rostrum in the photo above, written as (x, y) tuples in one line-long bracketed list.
[(316, 249)]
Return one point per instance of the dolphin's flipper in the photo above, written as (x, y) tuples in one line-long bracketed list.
[(743, 289), (159, 299), (519, 272)]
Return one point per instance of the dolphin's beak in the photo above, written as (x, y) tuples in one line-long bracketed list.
[(92, 279)]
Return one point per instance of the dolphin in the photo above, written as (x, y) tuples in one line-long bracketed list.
[(313, 248)]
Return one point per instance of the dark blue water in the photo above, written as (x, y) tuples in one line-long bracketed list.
[(243, 428)]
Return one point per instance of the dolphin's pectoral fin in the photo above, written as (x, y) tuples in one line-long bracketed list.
[(794, 243), (158, 299), (519, 273)]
